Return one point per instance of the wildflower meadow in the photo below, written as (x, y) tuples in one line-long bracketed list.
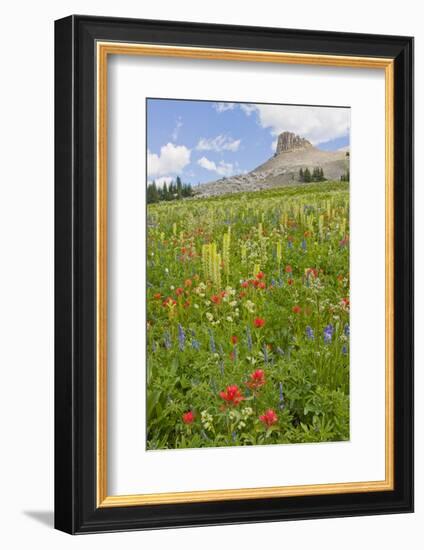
[(248, 318)]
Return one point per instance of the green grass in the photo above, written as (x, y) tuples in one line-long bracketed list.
[(218, 267)]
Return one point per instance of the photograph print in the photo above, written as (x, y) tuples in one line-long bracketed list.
[(247, 292)]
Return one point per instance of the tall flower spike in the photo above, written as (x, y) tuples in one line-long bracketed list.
[(309, 333), (212, 342), (249, 339), (167, 340), (281, 396), (181, 337), (265, 352)]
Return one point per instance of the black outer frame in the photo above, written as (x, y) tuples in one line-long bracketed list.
[(75, 274)]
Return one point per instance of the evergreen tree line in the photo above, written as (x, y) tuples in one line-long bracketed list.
[(171, 192), (306, 176), (345, 176)]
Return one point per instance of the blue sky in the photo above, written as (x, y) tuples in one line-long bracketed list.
[(202, 141)]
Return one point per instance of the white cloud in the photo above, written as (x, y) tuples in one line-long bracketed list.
[(248, 108), (221, 107), (317, 124), (206, 163), (219, 143), (171, 160), (176, 130), (222, 168)]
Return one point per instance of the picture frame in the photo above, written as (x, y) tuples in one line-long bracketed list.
[(83, 45)]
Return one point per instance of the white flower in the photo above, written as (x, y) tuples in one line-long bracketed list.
[(233, 303), (250, 306), (229, 319), (247, 411), (209, 316)]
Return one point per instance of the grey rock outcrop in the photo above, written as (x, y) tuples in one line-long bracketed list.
[(288, 141)]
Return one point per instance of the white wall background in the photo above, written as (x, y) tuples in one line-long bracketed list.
[(26, 274)]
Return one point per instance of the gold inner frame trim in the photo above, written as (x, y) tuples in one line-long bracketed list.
[(103, 50)]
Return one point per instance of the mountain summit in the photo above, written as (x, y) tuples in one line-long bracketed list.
[(288, 141), (292, 153)]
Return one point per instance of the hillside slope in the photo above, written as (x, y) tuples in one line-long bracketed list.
[(292, 154)]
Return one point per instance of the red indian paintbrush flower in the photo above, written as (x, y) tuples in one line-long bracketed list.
[(261, 285), (234, 339), (257, 379), (216, 299), (311, 272), (260, 275), (232, 395), (188, 417), (268, 418), (179, 291), (296, 309), (245, 284), (288, 269), (259, 322), (170, 302)]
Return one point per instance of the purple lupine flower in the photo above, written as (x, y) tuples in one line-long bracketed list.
[(303, 244), (154, 347), (235, 354), (309, 333), (265, 352), (281, 405), (249, 339), (181, 337), (221, 367), (167, 340), (279, 351), (347, 330), (290, 244), (195, 344), (328, 333), (344, 350), (212, 342)]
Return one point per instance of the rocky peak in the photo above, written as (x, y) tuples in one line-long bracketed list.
[(288, 141)]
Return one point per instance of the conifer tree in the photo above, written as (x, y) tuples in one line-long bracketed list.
[(307, 178)]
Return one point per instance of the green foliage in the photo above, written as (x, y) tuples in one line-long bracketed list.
[(174, 191), (305, 176), (280, 256)]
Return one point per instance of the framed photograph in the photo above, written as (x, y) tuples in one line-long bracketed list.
[(234, 274)]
